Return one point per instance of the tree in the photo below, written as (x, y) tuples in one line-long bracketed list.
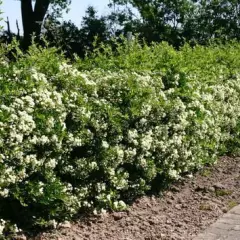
[(160, 20), (33, 15), (77, 40), (93, 26), (177, 21), (218, 19)]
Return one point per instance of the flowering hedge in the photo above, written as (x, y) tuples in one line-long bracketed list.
[(77, 137)]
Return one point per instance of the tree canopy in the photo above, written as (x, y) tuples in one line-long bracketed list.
[(175, 21)]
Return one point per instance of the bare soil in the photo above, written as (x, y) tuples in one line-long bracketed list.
[(182, 211)]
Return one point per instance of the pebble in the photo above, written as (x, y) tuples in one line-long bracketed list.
[(225, 210), (169, 194), (219, 186), (200, 188), (180, 200), (65, 224), (211, 189), (178, 206), (179, 224), (22, 237), (175, 189), (205, 197), (169, 221), (117, 216)]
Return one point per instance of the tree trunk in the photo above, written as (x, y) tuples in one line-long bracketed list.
[(32, 19), (27, 20)]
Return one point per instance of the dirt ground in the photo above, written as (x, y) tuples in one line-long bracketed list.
[(182, 212)]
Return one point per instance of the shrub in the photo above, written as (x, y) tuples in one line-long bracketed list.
[(88, 136)]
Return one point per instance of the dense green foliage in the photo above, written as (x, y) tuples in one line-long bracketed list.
[(176, 22), (77, 40), (91, 135)]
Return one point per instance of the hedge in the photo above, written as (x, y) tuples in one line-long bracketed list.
[(93, 134)]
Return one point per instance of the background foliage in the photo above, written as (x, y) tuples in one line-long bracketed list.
[(176, 22)]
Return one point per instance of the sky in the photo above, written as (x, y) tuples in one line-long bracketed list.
[(11, 9)]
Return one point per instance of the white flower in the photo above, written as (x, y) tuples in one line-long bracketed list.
[(146, 109), (122, 204), (4, 192), (103, 211), (115, 205), (77, 142), (143, 121), (173, 174), (105, 144), (43, 139), (120, 153), (53, 223), (41, 190), (51, 163), (133, 136), (93, 165), (147, 140), (2, 226), (108, 197)]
